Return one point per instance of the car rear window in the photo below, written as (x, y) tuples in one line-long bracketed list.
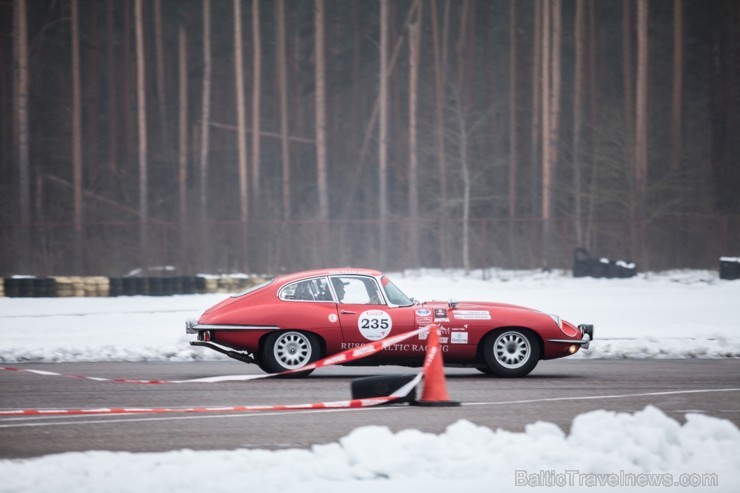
[(252, 289)]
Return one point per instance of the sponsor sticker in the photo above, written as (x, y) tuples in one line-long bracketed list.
[(440, 315), (472, 314), (459, 338), (423, 312), (374, 324), (424, 320)]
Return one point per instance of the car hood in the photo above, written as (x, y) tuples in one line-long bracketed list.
[(477, 305)]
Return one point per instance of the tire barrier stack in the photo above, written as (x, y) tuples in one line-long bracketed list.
[(28, 287), (584, 265), (729, 268), (46, 287)]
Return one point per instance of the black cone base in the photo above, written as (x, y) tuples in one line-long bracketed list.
[(436, 403), (382, 386)]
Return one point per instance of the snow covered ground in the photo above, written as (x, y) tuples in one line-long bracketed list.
[(674, 314), (680, 314), (605, 451)]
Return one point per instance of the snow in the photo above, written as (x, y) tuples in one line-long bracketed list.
[(677, 314), (603, 448)]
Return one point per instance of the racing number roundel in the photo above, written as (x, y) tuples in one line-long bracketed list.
[(374, 324)]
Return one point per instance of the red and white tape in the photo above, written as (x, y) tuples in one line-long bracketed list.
[(349, 404), (339, 358)]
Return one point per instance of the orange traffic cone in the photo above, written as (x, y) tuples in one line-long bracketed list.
[(435, 387)]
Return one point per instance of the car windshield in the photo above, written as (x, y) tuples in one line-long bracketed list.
[(395, 295)]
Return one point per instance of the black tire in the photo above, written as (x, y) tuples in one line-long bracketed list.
[(288, 350), (511, 353)]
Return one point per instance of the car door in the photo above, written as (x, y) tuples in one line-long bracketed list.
[(364, 314)]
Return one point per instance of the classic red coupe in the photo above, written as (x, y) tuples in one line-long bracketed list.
[(290, 321)]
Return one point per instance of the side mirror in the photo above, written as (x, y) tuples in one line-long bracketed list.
[(452, 303)]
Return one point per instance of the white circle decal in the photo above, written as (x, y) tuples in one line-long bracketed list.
[(333, 317), (374, 324)]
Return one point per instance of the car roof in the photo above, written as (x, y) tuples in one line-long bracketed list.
[(328, 272)]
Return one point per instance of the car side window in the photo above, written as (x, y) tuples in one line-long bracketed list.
[(356, 290), (316, 289)]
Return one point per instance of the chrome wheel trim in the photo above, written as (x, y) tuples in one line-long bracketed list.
[(292, 350), (512, 350)]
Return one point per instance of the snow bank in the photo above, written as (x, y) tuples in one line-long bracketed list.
[(677, 314), (611, 451)]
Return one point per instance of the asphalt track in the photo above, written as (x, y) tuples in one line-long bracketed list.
[(556, 391)]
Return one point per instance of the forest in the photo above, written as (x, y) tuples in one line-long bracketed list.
[(221, 136)]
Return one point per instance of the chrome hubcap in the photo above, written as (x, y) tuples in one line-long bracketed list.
[(292, 350), (511, 350)]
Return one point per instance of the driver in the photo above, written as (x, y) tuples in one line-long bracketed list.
[(339, 288)]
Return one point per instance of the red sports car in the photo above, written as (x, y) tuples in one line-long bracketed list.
[(290, 321)]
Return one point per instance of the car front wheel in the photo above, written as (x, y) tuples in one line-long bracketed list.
[(511, 353), (289, 350)]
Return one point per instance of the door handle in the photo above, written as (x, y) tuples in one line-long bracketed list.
[(347, 312)]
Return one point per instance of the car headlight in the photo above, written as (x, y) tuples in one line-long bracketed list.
[(557, 320)]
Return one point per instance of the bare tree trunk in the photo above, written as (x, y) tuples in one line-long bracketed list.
[(467, 185), (321, 113), (357, 93), (577, 111), (112, 93), (513, 156), (446, 33), (160, 73), (546, 135), (241, 132), (677, 116), (460, 49), (464, 141), (183, 137), (383, 134), (321, 171), (141, 110), (439, 125), (592, 116), (22, 128), (413, 199), (557, 37), (77, 136), (641, 133), (641, 102), (204, 132), (553, 139), (91, 89), (536, 104), (391, 66), (256, 98), (128, 129), (283, 97), (629, 97)]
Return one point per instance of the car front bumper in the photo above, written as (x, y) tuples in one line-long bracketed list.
[(587, 335)]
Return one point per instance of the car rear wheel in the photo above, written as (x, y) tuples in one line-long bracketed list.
[(289, 350), (511, 353)]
